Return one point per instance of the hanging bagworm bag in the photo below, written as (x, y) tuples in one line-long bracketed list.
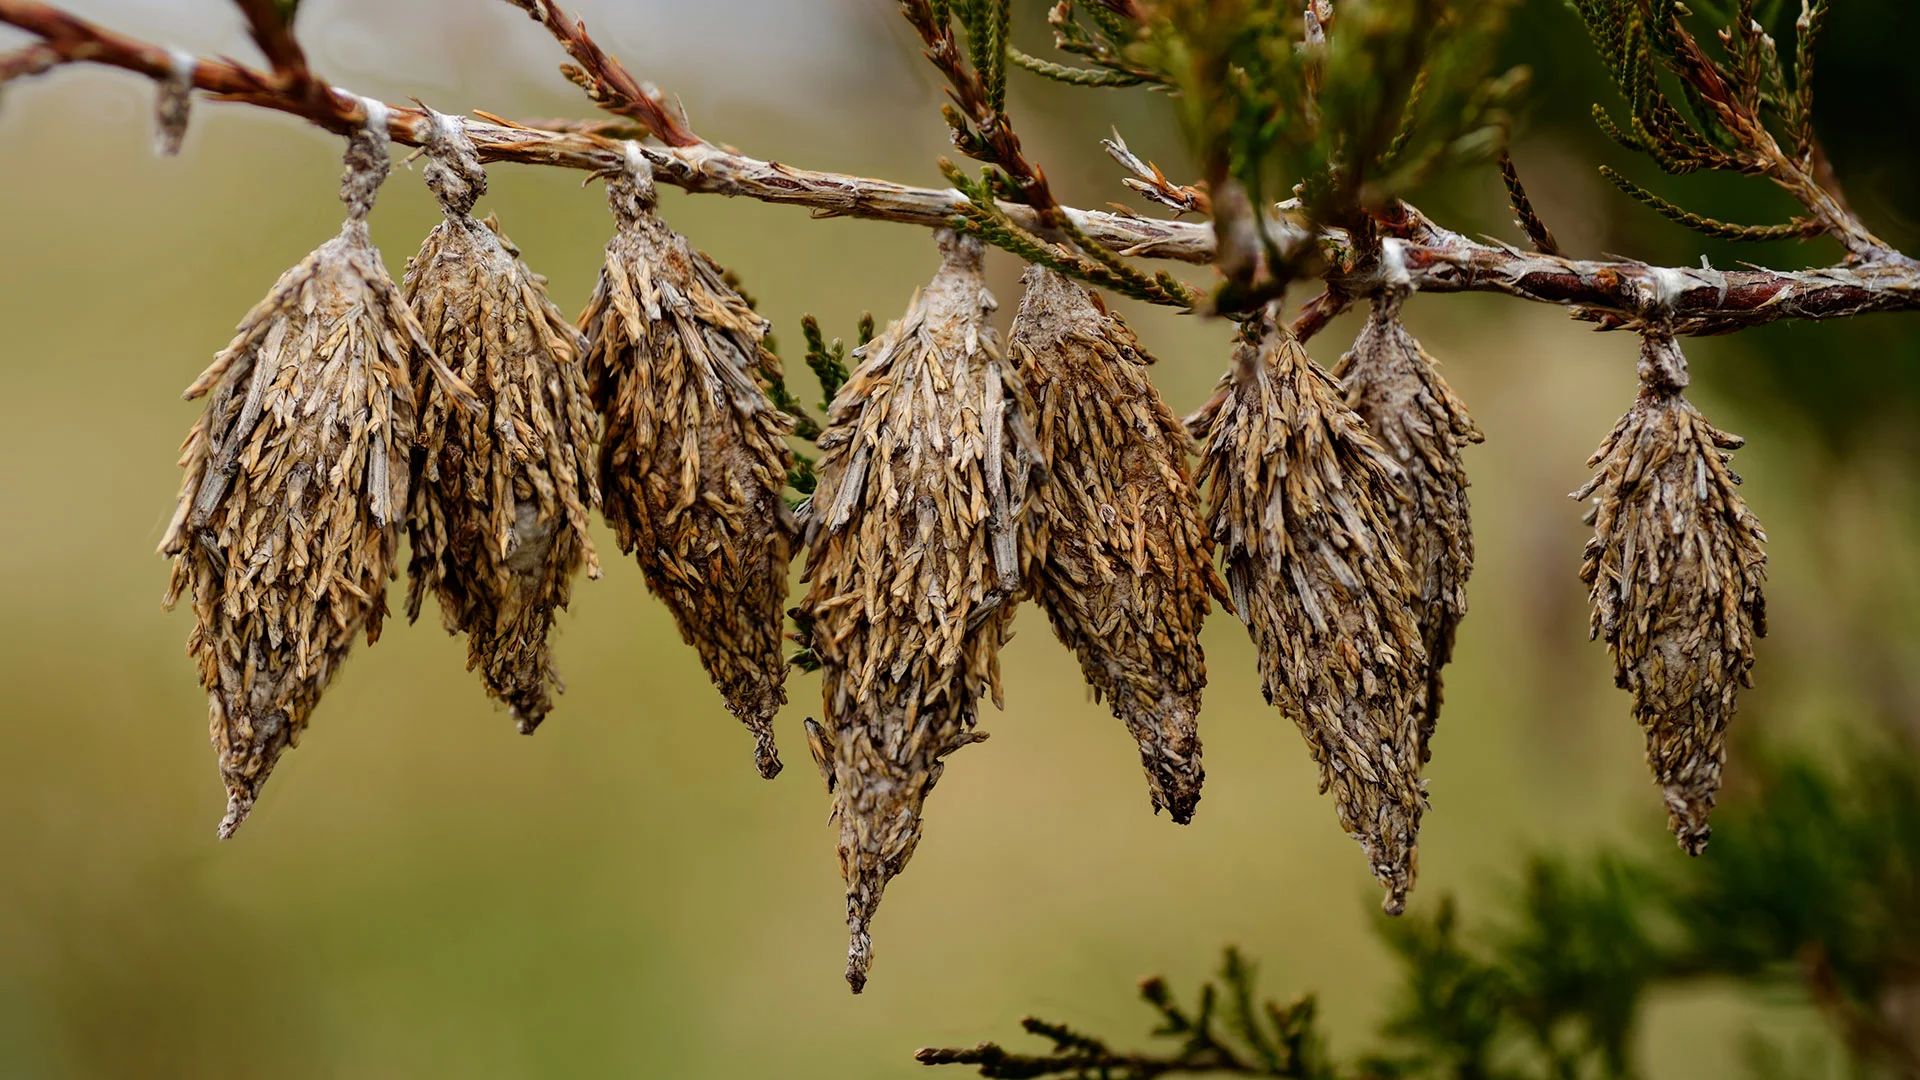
[(498, 520), (925, 478), (296, 488), (693, 453), (1125, 568)]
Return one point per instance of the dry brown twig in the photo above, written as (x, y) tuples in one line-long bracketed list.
[(605, 79), (1613, 293), (1146, 179)]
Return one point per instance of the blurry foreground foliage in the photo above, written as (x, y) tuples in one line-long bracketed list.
[(1810, 894)]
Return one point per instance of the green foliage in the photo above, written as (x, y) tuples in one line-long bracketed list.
[(801, 479), (1739, 108), (1230, 1030), (1076, 76), (1398, 88), (1810, 890), (829, 362), (1102, 41), (1553, 992), (1817, 885), (1799, 228), (987, 46), (1638, 40)]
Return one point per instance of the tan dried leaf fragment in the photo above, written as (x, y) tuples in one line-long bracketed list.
[(1675, 569), (498, 519), (1126, 572), (693, 454), (1411, 411), (173, 105), (926, 474), (1301, 505), (296, 488)]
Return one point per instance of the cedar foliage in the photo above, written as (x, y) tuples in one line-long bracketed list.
[(1807, 901)]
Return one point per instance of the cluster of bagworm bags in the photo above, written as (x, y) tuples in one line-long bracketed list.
[(958, 477)]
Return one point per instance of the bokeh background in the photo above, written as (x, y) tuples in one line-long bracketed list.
[(424, 892)]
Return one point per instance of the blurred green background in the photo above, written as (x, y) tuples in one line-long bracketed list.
[(423, 892)]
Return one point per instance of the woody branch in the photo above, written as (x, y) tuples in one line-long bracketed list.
[(1614, 294)]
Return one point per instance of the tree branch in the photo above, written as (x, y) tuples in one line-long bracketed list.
[(1614, 294)]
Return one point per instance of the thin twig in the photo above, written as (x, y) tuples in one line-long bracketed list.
[(998, 143), (275, 39), (1316, 313), (1150, 182), (33, 59)]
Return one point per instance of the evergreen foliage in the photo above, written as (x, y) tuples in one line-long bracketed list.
[(1809, 897)]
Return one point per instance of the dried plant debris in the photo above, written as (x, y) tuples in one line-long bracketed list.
[(1126, 572), (1411, 411), (296, 488), (173, 105), (498, 520), (693, 456), (1674, 570), (1301, 504), (926, 473)]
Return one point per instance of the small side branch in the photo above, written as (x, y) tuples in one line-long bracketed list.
[(605, 79), (274, 36), (1523, 212), (35, 59)]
